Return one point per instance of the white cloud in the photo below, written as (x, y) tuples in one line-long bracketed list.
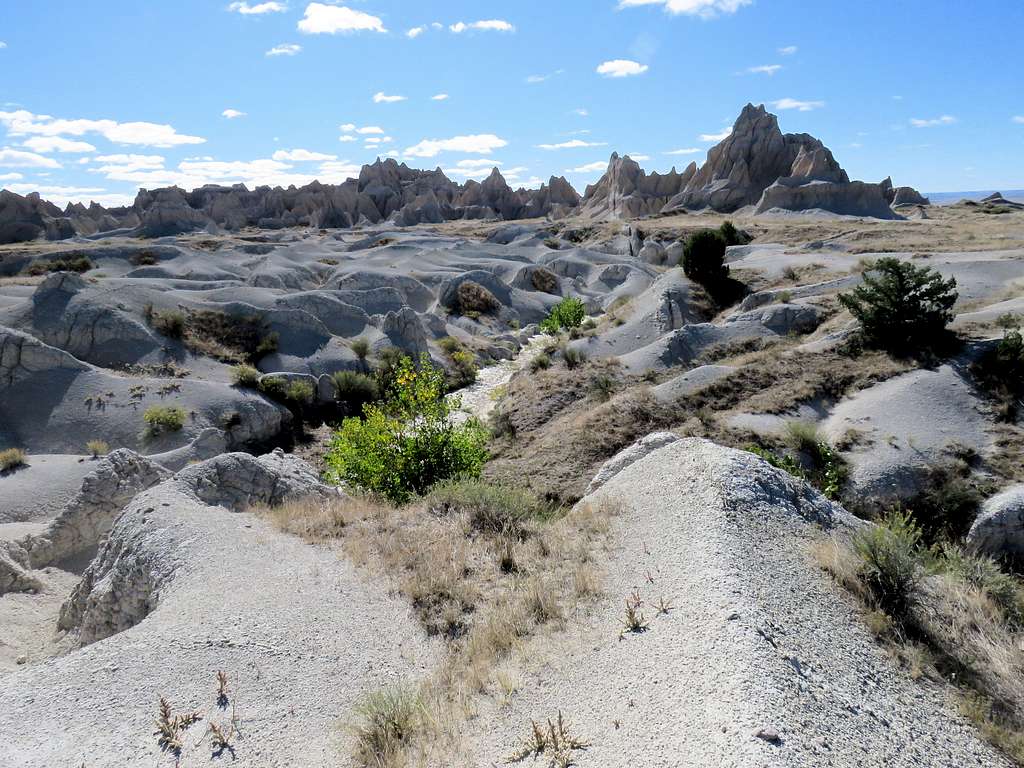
[(690, 150), (415, 32), (15, 158), (336, 171), (128, 163), (379, 140), (803, 106), (637, 156), (933, 122), (47, 144), (2, 45), (489, 25), (439, 97), (301, 156), (24, 123), (726, 133), (382, 98), (621, 68), (231, 114), (789, 50), (765, 69), (392, 153), (366, 130), (1019, 119), (480, 144), (483, 162), (62, 195), (589, 168), (533, 79), (581, 112), (323, 19), (703, 8), (573, 144), (285, 49), (257, 10), (10, 176), (346, 137)]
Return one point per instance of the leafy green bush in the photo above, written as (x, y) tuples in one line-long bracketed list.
[(568, 313), (245, 376), (11, 458), (902, 307), (1001, 372), (785, 462), (890, 564), (354, 390), (733, 236), (704, 257), (408, 443), (163, 418), (492, 509)]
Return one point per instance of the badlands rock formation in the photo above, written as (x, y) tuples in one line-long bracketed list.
[(756, 166)]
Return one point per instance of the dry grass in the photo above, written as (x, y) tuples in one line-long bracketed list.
[(12, 458), (484, 581)]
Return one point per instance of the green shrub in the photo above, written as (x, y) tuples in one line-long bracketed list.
[(1001, 372), (300, 392), (602, 387), (704, 257), (169, 323), (390, 721), (948, 503), (11, 458), (410, 442), (491, 509), (354, 390), (784, 462), (361, 348), (984, 574), (890, 564), (568, 313), (540, 363), (97, 448), (464, 369), (902, 307), (245, 376), (274, 387), (733, 236), (574, 358), (163, 418), (449, 345)]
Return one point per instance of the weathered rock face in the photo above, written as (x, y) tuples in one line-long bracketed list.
[(999, 530), (855, 198), (908, 196), (625, 191)]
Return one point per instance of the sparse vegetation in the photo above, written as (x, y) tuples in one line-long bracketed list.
[(555, 744), (70, 263), (353, 390), (471, 297), (566, 314), (540, 363), (544, 280), (361, 348), (12, 458), (215, 334), (162, 419), (409, 442), (245, 376), (97, 448), (1001, 373), (573, 357), (901, 307), (489, 508), (390, 721)]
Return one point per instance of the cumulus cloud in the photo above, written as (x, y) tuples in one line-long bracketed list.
[(128, 163), (366, 130), (533, 79), (346, 137), (1019, 119), (257, 10), (573, 144), (802, 106), (703, 8), (382, 98), (301, 156), (589, 168), (789, 50), (725, 133), (691, 150), (2, 45), (621, 68), (439, 97), (488, 25), (415, 32), (321, 19), (765, 69), (16, 158), (231, 114), (479, 144), (932, 122), (10, 176), (639, 157), (24, 123), (285, 49), (336, 171), (62, 195), (46, 144)]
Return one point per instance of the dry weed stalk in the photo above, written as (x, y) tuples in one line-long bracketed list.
[(555, 743)]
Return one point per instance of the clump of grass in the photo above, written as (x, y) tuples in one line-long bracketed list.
[(573, 358), (161, 419), (169, 323), (540, 363), (489, 508), (634, 622), (245, 376), (603, 386), (97, 448), (12, 458), (354, 390), (390, 721), (68, 263), (555, 744)]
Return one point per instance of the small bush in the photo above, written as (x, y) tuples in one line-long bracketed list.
[(704, 257), (733, 236), (1001, 372), (568, 313), (64, 264), (889, 562), (544, 280), (464, 369), (245, 376), (901, 307), (540, 363), (354, 390), (97, 448), (574, 358), (390, 721), (169, 323), (409, 443), (163, 418), (602, 387), (12, 458), (491, 509), (361, 348), (300, 392), (984, 574), (473, 297)]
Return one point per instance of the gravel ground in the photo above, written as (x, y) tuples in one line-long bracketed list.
[(758, 641)]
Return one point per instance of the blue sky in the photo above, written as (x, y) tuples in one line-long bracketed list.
[(98, 99)]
